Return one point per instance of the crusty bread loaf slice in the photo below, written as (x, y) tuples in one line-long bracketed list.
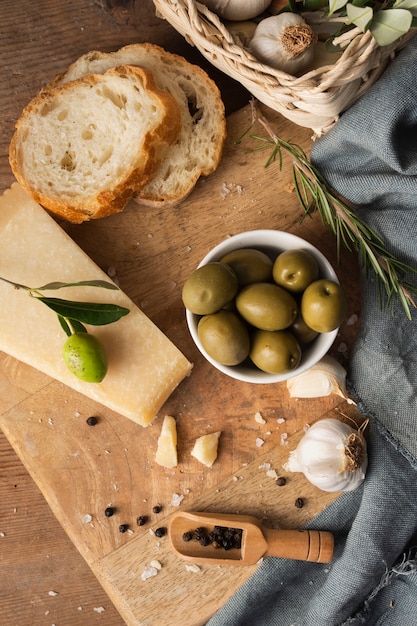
[(199, 147), (82, 149)]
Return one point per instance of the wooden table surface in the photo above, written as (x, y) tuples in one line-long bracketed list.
[(44, 578)]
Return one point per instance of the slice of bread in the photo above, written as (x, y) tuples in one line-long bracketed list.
[(84, 148), (199, 147)]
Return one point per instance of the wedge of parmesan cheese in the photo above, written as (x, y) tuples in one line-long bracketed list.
[(166, 452), (205, 448), (144, 365)]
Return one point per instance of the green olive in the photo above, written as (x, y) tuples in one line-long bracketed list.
[(266, 306), (224, 337), (303, 333), (295, 270), (275, 352), (249, 265), (324, 305), (85, 356), (209, 288)]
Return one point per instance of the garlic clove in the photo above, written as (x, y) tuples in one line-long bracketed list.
[(325, 378)]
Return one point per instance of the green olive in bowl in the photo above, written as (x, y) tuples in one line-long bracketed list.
[(224, 337), (275, 352), (209, 288), (295, 270), (250, 265), (266, 306)]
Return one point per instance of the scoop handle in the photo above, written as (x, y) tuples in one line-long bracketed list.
[(304, 545)]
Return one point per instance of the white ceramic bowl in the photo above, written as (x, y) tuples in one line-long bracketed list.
[(272, 242)]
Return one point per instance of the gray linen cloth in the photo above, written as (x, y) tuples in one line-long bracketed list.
[(370, 158)]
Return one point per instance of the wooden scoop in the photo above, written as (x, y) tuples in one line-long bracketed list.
[(257, 541)]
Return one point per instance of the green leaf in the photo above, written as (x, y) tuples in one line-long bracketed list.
[(64, 325), (94, 313), (336, 5), (360, 16), (389, 25), (410, 5), (84, 283), (313, 5)]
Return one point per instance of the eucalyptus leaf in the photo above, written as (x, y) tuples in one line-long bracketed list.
[(389, 25), (360, 16), (336, 5), (84, 283), (410, 5), (94, 313)]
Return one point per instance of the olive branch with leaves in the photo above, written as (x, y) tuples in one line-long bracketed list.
[(315, 195), (72, 315)]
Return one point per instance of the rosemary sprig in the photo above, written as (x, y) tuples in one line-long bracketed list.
[(315, 195)]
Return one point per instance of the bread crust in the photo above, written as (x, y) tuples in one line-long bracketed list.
[(104, 199), (199, 147)]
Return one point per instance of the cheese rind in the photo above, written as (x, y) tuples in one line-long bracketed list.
[(144, 365)]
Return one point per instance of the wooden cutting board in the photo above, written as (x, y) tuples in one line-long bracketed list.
[(81, 470)]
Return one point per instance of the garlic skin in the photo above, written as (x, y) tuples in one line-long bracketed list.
[(285, 42), (237, 9), (331, 455), (325, 378)]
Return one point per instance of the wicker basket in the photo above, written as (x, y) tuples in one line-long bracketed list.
[(313, 100)]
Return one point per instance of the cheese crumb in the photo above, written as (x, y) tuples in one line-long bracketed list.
[(205, 448), (166, 454)]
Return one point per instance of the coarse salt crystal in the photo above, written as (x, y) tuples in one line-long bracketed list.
[(281, 420), (259, 442), (52, 593), (148, 572), (259, 418), (86, 519), (272, 474), (99, 609), (265, 466), (193, 568), (156, 564), (176, 499)]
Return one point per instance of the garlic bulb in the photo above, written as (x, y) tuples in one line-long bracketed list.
[(332, 456), (237, 9), (285, 42), (325, 378)]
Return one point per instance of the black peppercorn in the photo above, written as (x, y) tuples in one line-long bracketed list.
[(123, 528), (160, 532), (141, 520), (299, 503), (109, 511), (281, 481), (91, 421), (187, 536), (157, 508)]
